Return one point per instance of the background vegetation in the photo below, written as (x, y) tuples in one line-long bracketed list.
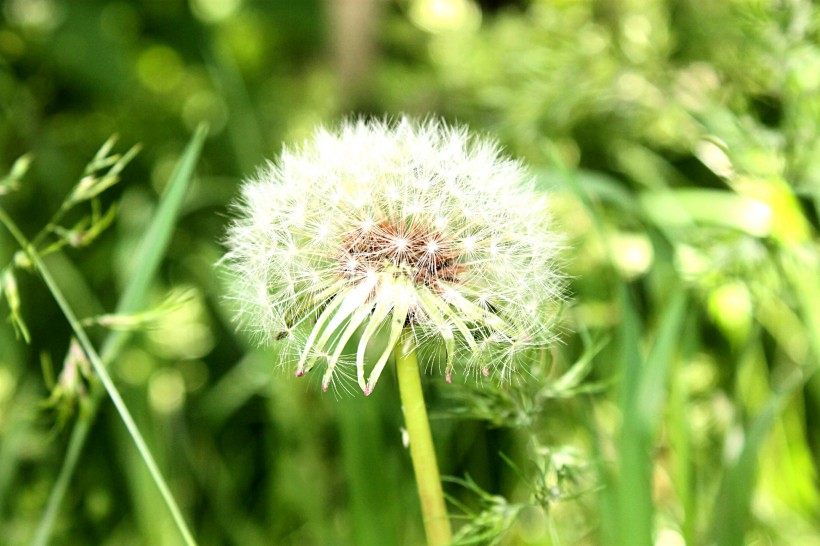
[(681, 143)]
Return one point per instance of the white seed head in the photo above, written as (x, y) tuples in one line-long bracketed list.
[(380, 226)]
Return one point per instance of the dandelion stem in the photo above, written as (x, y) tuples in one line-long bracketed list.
[(422, 451)]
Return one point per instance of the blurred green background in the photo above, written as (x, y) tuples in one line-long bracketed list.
[(680, 140)]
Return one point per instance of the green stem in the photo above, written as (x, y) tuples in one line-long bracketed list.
[(110, 387), (152, 248), (422, 452), (79, 433)]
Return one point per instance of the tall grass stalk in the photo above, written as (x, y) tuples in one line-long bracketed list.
[(148, 258), (107, 382)]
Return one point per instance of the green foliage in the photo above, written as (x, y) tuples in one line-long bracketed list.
[(680, 142), (687, 147)]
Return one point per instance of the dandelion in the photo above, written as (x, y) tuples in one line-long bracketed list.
[(380, 227), (400, 235)]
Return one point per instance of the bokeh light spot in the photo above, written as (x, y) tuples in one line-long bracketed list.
[(166, 391), (38, 15), (182, 332), (440, 16), (730, 305), (159, 68), (214, 11), (632, 253)]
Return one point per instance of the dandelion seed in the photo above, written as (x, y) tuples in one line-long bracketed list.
[(379, 227)]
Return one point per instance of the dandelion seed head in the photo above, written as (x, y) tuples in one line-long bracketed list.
[(375, 227)]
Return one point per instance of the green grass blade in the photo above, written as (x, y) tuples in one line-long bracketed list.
[(243, 126), (155, 241), (151, 250), (627, 507), (736, 490), (652, 390), (632, 499), (114, 394)]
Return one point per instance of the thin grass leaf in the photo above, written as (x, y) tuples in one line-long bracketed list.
[(151, 250), (570, 381), (652, 390), (732, 508), (629, 507), (155, 241), (680, 441), (643, 397), (113, 393)]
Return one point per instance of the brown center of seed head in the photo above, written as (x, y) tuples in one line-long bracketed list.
[(425, 255)]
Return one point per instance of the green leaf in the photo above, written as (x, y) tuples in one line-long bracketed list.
[(732, 508), (152, 247), (653, 386), (572, 378), (717, 207)]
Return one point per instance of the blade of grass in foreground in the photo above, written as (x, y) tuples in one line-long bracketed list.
[(149, 255), (107, 382), (736, 490), (627, 507), (629, 504)]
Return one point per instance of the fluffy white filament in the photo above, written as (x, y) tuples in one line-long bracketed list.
[(378, 226)]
